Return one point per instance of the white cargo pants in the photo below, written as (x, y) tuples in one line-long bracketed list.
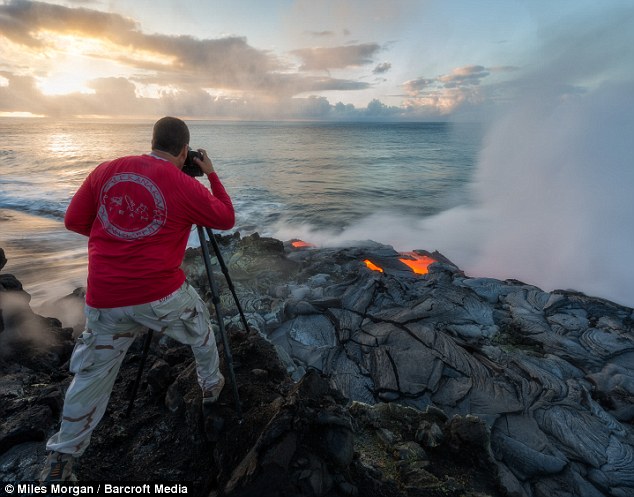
[(100, 350)]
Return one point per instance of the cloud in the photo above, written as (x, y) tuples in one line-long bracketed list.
[(111, 96), (321, 34), (326, 84), (572, 61), (227, 64), (118, 96), (229, 61), (415, 86), (323, 59), (19, 94), (459, 77), (21, 20), (464, 76), (208, 77), (382, 68), (448, 92), (498, 69)]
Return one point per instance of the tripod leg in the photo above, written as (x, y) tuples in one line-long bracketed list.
[(221, 325), (137, 382), (225, 271)]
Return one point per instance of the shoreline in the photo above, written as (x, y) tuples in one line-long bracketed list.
[(49, 261)]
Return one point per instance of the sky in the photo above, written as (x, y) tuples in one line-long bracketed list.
[(421, 60)]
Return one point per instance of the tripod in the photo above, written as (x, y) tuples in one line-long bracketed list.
[(215, 298)]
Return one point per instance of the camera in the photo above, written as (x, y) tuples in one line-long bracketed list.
[(191, 168)]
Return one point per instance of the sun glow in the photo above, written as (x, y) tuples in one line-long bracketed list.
[(69, 44), (100, 49), (73, 60), (20, 114), (63, 83)]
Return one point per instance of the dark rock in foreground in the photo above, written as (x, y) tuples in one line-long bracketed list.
[(551, 374), (296, 438), (459, 386)]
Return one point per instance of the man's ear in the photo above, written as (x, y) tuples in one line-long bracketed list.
[(184, 152)]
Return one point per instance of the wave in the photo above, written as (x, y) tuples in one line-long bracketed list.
[(42, 208)]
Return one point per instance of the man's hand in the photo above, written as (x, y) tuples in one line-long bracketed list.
[(205, 164)]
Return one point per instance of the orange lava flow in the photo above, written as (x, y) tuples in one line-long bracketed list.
[(372, 266), (417, 263), (301, 244)]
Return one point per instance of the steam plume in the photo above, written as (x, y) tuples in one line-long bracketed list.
[(554, 199)]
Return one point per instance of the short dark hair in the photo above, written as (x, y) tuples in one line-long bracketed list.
[(170, 135)]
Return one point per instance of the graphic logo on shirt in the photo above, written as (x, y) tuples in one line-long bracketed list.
[(131, 207)]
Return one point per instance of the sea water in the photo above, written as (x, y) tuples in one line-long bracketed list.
[(282, 176)]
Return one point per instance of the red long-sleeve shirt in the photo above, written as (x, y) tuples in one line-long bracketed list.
[(138, 212)]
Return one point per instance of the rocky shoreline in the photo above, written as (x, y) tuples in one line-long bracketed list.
[(353, 381)]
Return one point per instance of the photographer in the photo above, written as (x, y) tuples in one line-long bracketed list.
[(138, 212)]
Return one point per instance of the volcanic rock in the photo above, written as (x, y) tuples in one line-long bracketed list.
[(357, 382), (3, 259), (545, 379)]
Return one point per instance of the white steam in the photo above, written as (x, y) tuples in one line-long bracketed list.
[(554, 190)]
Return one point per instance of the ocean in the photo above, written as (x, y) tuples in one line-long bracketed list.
[(287, 179)]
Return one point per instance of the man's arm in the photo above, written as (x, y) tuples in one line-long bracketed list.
[(221, 215), (81, 211), (211, 209), (218, 212)]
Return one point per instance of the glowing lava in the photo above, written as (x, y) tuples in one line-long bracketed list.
[(417, 263), (372, 266), (301, 244)]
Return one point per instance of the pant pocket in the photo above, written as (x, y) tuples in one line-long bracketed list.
[(81, 357), (196, 321), (171, 308)]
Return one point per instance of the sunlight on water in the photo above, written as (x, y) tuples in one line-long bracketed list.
[(62, 144)]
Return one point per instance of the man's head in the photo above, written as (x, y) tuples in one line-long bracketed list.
[(170, 135)]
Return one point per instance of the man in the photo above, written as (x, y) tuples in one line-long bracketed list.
[(138, 212)]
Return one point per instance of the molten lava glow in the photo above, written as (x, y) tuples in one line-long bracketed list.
[(417, 263), (372, 266), (301, 244)]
